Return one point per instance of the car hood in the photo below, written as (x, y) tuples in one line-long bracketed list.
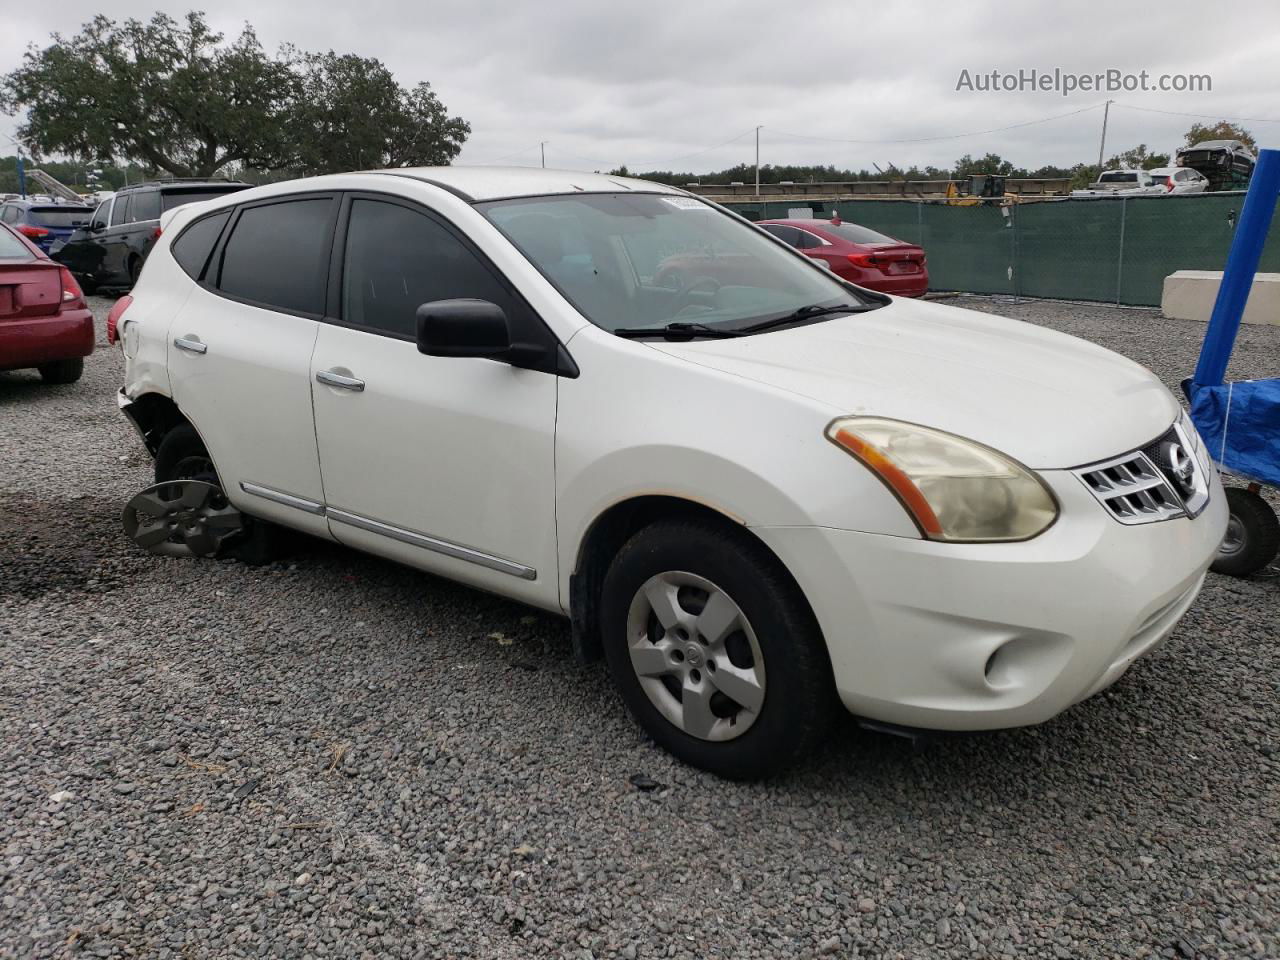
[(1044, 398)]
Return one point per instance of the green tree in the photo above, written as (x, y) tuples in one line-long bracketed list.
[(353, 115), (1222, 130), (1138, 158), (992, 163), (170, 95)]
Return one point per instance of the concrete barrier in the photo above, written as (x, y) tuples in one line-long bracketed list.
[(1189, 295)]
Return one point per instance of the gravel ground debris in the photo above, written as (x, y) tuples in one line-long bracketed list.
[(332, 756)]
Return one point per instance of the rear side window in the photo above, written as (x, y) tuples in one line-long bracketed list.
[(10, 215), (808, 241), (120, 213), (11, 248), (193, 246), (397, 259), (277, 253), (788, 235), (146, 206)]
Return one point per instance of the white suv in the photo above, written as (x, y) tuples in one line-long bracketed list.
[(756, 490)]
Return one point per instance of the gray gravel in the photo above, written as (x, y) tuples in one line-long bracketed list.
[(333, 756)]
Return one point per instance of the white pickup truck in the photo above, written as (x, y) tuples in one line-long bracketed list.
[(1117, 183)]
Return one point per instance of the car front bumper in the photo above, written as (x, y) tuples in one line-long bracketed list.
[(986, 636), (32, 341)]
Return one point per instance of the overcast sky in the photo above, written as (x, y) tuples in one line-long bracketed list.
[(659, 84)]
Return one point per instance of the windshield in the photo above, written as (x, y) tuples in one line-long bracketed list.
[(629, 260), (11, 248), (1119, 178), (59, 216), (856, 234)]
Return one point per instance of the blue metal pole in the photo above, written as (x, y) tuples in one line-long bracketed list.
[(1242, 264)]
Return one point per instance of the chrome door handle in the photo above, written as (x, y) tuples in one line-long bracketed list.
[(331, 379), (191, 346)]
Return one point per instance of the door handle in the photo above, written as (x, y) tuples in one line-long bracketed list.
[(331, 379), (189, 345)]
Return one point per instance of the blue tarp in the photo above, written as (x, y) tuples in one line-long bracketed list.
[(1240, 425)]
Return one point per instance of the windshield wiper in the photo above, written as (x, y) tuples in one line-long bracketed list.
[(809, 313), (677, 331)]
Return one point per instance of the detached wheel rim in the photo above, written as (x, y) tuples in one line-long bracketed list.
[(696, 656), (1233, 540), (181, 518)]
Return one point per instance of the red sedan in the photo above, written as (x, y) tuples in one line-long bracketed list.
[(857, 254), (44, 321)]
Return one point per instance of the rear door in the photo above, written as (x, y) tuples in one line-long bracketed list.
[(239, 356), (114, 241)]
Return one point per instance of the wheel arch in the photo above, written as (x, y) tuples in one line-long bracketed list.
[(605, 536), (154, 415)]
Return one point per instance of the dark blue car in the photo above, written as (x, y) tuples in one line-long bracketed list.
[(44, 223)]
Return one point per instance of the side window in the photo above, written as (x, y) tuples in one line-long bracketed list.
[(194, 244), (786, 234), (100, 215), (120, 214), (807, 240), (8, 214), (146, 206), (397, 259), (276, 255)]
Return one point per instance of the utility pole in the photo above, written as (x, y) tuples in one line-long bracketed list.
[(1102, 145), (543, 145), (758, 161)]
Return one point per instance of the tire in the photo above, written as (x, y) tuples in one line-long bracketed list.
[(62, 371), (773, 641), (135, 270), (1253, 535), (182, 456)]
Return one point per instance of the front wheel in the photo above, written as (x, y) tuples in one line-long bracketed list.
[(1253, 535), (714, 650)]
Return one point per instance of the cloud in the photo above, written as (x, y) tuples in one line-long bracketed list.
[(650, 84)]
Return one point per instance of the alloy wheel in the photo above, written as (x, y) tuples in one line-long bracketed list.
[(696, 656), (181, 518)]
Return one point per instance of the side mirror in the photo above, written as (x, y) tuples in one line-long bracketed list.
[(96, 226), (472, 328)]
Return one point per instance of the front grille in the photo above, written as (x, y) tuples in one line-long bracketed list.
[(1163, 480)]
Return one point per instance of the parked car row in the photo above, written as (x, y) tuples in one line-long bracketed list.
[(757, 489), (109, 246)]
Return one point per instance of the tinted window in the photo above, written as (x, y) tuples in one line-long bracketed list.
[(277, 253), (59, 216), (193, 246), (120, 213), (808, 241), (788, 235), (856, 234), (11, 247), (146, 206), (100, 215), (176, 198), (397, 259)]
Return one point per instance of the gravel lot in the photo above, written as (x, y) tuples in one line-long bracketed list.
[(333, 756)]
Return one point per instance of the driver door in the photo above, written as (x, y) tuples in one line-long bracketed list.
[(444, 463)]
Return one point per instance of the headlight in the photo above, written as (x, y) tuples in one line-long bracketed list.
[(954, 489)]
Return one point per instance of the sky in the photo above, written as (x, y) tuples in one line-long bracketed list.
[(683, 85)]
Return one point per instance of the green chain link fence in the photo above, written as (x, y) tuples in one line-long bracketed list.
[(1116, 251)]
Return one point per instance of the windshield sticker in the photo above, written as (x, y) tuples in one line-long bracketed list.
[(686, 203)]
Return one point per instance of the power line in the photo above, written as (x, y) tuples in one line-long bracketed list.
[(1197, 116), (950, 136)]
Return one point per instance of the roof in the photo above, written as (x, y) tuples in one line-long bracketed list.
[(493, 183)]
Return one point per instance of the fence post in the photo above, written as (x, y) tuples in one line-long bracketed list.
[(1124, 209), (920, 222)]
